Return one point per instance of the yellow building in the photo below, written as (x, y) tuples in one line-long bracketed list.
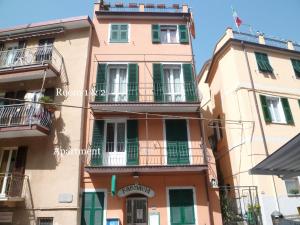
[(252, 84), (37, 184)]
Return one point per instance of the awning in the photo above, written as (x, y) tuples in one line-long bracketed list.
[(285, 162)]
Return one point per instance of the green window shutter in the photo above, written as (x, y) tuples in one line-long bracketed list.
[(183, 34), (265, 109), (123, 33), (158, 82), (296, 66), (177, 142), (92, 208), (132, 142), (263, 62), (189, 83), (101, 82), (133, 83), (119, 33), (155, 33), (97, 143), (181, 207), (287, 111)]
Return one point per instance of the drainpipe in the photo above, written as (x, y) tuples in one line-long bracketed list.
[(259, 118), (203, 137)]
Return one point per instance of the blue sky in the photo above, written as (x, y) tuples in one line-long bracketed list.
[(212, 17)]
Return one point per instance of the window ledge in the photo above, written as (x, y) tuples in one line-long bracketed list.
[(294, 195), (119, 42), (279, 123)]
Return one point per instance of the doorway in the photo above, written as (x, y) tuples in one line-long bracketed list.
[(136, 211)]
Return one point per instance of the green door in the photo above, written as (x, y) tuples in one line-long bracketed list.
[(92, 208), (177, 142), (182, 207)]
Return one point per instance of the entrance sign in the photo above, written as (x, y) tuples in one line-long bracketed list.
[(136, 189)]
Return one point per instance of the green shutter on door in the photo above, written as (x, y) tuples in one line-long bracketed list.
[(265, 109), (183, 34), (263, 62), (155, 33), (133, 83), (132, 142), (177, 142), (158, 82), (97, 143), (296, 66), (287, 111), (189, 83), (101, 82), (92, 208), (182, 207)]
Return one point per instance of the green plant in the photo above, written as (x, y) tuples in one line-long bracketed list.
[(294, 191), (48, 103)]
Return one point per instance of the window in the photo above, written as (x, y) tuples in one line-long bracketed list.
[(276, 110), (174, 84), (117, 83), (168, 34), (45, 221), (115, 137), (296, 66), (119, 33), (292, 186), (263, 62)]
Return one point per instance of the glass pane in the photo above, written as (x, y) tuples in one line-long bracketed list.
[(112, 80), (167, 85), (164, 36), (173, 36), (177, 84), (114, 27), (121, 137), (114, 35), (123, 35), (124, 27), (110, 133), (123, 84), (4, 162)]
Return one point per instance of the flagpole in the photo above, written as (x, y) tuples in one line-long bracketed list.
[(234, 18)]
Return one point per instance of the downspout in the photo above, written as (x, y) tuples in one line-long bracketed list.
[(259, 119), (207, 182)]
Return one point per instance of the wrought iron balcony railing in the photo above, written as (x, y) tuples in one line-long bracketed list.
[(13, 186), (144, 92), (139, 154), (31, 57), (24, 115)]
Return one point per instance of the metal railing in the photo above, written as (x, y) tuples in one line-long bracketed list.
[(144, 92), (24, 114), (13, 185), (138, 154), (30, 57)]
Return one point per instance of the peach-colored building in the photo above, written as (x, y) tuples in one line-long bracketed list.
[(149, 163), (37, 185), (252, 85)]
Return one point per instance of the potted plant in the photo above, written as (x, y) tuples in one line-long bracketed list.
[(48, 103)]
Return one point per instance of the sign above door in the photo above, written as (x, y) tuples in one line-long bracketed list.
[(136, 189)]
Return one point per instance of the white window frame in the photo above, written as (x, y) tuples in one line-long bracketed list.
[(280, 110), (168, 201), (172, 66), (115, 121), (169, 35), (118, 67), (128, 33)]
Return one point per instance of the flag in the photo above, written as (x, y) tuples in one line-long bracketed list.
[(237, 19)]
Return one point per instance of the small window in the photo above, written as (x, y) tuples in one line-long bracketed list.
[(263, 62), (115, 136), (296, 66), (117, 83), (45, 221), (292, 186), (119, 33), (276, 109), (168, 34)]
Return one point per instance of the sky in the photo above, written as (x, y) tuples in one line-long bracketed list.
[(279, 18)]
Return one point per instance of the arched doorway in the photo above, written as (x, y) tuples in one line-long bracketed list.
[(136, 209)]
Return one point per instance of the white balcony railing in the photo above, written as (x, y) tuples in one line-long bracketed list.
[(24, 114), (12, 186), (30, 57)]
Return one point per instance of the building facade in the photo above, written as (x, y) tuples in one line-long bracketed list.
[(148, 161), (39, 180), (252, 86)]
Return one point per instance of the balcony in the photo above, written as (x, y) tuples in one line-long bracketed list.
[(145, 97), (13, 187), (24, 120), (29, 63), (138, 157)]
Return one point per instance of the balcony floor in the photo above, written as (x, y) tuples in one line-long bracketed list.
[(145, 107), (146, 169), (23, 131)]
